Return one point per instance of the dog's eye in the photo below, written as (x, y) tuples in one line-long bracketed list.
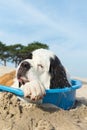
[(41, 66)]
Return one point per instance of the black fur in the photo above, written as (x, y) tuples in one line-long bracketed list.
[(24, 67), (58, 74)]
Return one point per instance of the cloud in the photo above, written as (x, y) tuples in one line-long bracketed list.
[(24, 19), (19, 15), (61, 24)]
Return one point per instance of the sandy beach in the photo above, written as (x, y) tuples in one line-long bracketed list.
[(17, 115)]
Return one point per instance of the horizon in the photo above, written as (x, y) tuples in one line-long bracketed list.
[(62, 25)]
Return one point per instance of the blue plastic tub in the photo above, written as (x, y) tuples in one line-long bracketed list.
[(63, 98)]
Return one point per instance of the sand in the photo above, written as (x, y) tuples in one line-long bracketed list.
[(17, 115), (4, 70)]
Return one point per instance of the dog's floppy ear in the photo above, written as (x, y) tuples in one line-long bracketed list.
[(58, 74)]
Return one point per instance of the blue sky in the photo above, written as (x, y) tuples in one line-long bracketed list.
[(62, 24)]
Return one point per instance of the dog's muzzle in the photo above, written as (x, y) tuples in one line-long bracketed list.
[(21, 74)]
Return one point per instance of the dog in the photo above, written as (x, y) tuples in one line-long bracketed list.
[(40, 71)]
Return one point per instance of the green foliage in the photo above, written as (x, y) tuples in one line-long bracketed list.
[(36, 45), (17, 52), (4, 53)]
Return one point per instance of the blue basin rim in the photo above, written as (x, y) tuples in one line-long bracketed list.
[(75, 85), (16, 91)]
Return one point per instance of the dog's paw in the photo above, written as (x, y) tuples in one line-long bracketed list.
[(33, 90)]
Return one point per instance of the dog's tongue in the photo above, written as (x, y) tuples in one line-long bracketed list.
[(21, 81)]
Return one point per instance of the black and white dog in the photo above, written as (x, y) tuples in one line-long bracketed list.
[(42, 70)]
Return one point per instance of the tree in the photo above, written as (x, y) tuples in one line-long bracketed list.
[(4, 53), (15, 51), (26, 50), (36, 45)]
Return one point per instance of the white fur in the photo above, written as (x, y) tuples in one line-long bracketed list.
[(34, 89), (38, 76)]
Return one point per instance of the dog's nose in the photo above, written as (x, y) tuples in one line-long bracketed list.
[(25, 65)]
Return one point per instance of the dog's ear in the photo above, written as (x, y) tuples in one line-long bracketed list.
[(58, 74)]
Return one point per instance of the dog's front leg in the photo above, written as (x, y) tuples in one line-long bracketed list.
[(34, 90)]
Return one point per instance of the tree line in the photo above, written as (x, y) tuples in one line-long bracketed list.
[(17, 52)]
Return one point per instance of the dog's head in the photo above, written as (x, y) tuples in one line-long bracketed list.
[(44, 66)]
